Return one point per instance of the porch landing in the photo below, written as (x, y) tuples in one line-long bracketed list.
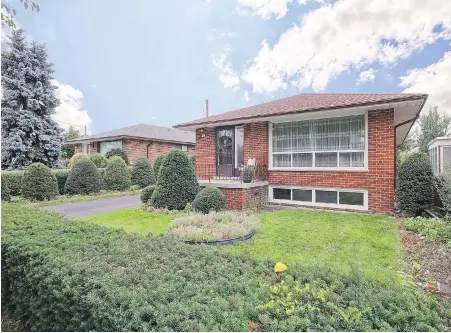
[(231, 183)]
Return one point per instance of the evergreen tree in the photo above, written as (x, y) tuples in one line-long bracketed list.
[(28, 133)]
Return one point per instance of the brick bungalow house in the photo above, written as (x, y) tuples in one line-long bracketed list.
[(334, 151), (137, 140)]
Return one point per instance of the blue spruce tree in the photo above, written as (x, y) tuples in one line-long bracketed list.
[(28, 132)]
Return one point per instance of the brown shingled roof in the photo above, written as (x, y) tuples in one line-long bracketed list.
[(303, 103)]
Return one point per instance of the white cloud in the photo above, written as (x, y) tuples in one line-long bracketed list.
[(434, 80), (246, 96), (265, 9), (367, 76), (70, 111), (347, 34), (228, 77), (215, 35)]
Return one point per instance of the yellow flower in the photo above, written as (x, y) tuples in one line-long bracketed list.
[(279, 267)]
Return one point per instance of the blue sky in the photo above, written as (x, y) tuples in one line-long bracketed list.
[(156, 61)]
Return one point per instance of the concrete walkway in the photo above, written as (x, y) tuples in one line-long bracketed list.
[(94, 207)]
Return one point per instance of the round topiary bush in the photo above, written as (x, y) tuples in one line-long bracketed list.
[(415, 185), (208, 200), (61, 177), (84, 178), (116, 176), (146, 193), (5, 191), (176, 184), (142, 174), (39, 182), (100, 161), (157, 164), (75, 158), (117, 152)]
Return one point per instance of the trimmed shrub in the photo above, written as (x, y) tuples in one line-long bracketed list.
[(77, 157), (100, 161), (208, 200), (157, 164), (193, 161), (76, 276), (117, 176), (5, 191), (61, 177), (443, 187), (14, 180), (146, 193), (415, 187), (39, 182), (84, 178), (117, 152), (142, 174), (176, 184)]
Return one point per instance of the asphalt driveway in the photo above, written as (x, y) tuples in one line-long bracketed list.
[(94, 207)]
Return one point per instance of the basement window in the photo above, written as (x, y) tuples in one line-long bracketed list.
[(320, 197)]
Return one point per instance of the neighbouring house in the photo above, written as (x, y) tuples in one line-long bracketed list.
[(440, 154), (138, 140), (334, 151)]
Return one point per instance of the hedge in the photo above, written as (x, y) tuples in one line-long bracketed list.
[(39, 182), (14, 180), (61, 177), (78, 276), (209, 199), (84, 178), (117, 175), (5, 191)]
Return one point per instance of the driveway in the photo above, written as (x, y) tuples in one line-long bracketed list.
[(94, 207)]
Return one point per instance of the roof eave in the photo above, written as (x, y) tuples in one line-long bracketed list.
[(120, 137)]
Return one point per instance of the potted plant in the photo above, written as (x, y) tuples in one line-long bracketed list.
[(247, 174)]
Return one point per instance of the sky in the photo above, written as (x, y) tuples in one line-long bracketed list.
[(122, 63)]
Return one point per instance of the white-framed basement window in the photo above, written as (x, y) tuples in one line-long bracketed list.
[(320, 197), (319, 144)]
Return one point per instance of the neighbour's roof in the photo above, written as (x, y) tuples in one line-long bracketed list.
[(143, 132), (303, 103)]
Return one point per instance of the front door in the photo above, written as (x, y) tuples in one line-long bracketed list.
[(225, 152)]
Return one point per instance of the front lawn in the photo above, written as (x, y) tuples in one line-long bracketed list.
[(133, 220), (340, 241)]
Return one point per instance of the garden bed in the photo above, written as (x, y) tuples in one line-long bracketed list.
[(221, 227)]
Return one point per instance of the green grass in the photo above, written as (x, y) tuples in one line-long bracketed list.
[(337, 240), (133, 220)]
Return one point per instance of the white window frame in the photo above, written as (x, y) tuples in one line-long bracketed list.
[(318, 204), (184, 148), (84, 148), (313, 168), (100, 145)]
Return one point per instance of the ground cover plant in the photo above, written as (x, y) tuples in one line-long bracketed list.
[(61, 275), (133, 220), (213, 226), (341, 241), (430, 229)]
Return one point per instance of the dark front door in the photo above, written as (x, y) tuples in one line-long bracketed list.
[(225, 152)]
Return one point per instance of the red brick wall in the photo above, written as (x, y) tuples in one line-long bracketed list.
[(379, 180), (256, 142), (205, 153), (158, 148), (239, 198)]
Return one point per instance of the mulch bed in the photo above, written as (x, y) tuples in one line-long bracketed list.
[(428, 262)]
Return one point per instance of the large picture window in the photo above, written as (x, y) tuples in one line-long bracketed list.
[(106, 146), (322, 143)]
